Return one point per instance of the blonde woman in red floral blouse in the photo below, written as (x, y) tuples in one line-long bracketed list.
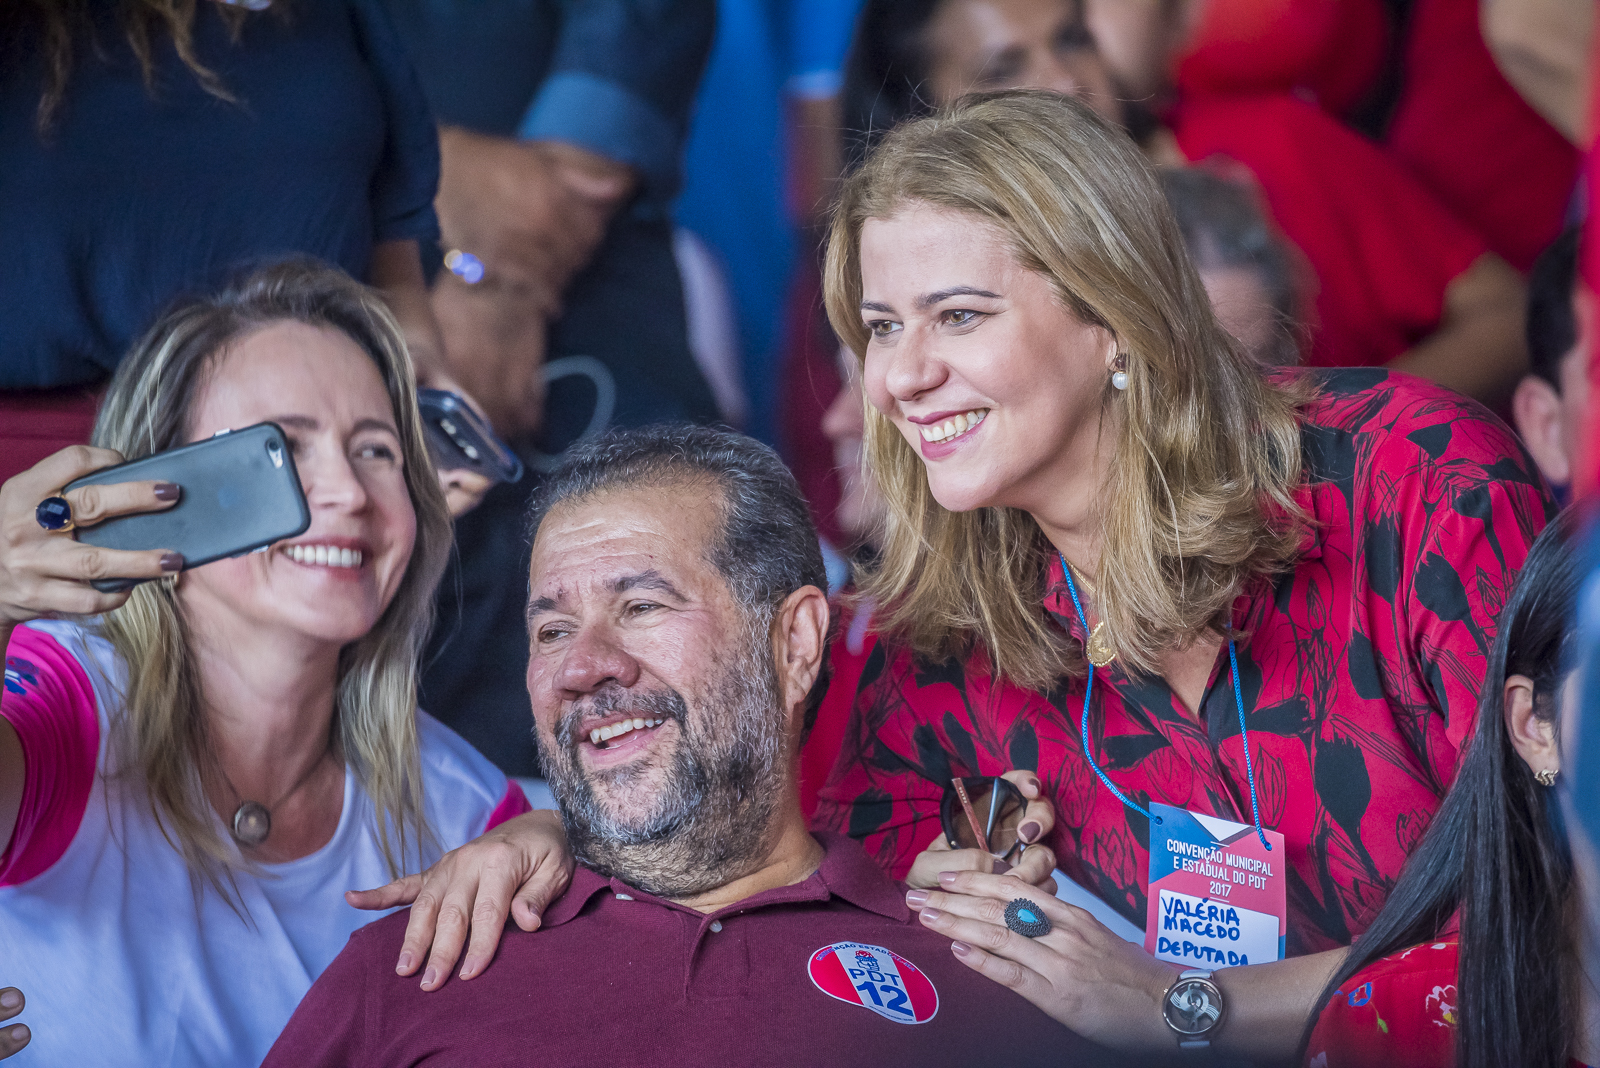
[(1083, 470)]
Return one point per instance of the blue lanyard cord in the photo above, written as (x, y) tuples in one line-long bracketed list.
[(1244, 736), (1088, 690)]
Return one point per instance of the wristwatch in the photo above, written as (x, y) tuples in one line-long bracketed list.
[(1193, 1007)]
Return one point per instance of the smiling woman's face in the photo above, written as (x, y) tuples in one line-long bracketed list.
[(997, 386), (332, 583)]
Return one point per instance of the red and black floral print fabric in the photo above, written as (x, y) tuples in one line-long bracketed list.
[(1360, 671)]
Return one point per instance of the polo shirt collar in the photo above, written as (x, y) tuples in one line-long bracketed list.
[(846, 872)]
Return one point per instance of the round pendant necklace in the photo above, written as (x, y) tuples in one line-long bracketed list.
[(252, 821), (1099, 648)]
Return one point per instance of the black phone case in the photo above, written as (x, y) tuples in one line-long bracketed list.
[(240, 491), (458, 438)]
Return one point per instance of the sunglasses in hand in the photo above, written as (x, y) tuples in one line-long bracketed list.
[(979, 812)]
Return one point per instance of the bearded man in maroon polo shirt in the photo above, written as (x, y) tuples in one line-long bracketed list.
[(678, 641)]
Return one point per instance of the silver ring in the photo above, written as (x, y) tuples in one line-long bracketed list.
[(1026, 918)]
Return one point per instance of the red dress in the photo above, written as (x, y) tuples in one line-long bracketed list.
[(1469, 137), (1398, 1010), (1382, 248), (1360, 677), (1330, 50)]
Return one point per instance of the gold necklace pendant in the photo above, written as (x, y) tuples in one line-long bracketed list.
[(1100, 649)]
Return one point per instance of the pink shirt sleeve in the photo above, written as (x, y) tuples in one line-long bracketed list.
[(512, 805), (49, 702)]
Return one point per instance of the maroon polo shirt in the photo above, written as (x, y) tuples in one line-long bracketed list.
[(620, 977)]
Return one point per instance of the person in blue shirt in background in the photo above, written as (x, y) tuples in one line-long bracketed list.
[(152, 150), (562, 124)]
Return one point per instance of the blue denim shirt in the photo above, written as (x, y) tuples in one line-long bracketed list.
[(617, 77)]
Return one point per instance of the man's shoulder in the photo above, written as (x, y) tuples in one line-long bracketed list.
[(370, 943), (852, 973)]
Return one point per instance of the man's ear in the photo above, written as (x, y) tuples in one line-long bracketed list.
[(1536, 411), (1533, 738), (799, 640)]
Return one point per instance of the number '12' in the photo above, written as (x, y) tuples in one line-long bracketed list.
[(897, 997)]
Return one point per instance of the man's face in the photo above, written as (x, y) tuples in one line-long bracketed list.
[(655, 697)]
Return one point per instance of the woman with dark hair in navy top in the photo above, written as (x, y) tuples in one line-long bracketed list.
[(155, 147)]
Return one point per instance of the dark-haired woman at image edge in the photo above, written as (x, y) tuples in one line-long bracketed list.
[(1473, 961), (1049, 389)]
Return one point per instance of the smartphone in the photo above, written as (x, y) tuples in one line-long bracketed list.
[(458, 437), (240, 492)]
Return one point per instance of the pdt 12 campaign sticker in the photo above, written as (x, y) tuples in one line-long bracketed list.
[(1217, 895), (876, 979)]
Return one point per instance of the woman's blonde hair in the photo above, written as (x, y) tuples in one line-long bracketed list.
[(1200, 498), (146, 410)]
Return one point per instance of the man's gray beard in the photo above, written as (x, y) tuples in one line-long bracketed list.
[(713, 819)]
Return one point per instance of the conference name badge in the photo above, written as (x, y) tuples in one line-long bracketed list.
[(874, 978), (1217, 895)]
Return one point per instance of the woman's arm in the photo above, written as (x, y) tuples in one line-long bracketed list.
[(1478, 347), (44, 573), (12, 771), (1543, 49), (397, 271), (1107, 989)]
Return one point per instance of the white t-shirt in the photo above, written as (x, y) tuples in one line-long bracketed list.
[(120, 964)]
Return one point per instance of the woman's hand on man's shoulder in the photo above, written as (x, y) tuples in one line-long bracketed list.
[(517, 869)]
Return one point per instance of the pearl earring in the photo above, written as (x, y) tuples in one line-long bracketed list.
[(1119, 377)]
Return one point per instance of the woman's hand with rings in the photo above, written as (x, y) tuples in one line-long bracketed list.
[(47, 573), (1102, 987), (1035, 866)]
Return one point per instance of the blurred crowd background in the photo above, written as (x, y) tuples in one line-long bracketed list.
[(630, 198)]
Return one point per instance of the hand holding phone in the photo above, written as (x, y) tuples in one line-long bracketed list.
[(459, 438), (239, 492), (43, 573)]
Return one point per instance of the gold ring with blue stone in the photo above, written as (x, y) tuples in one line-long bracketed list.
[(1026, 918), (55, 515)]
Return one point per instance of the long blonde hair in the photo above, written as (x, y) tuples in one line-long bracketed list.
[(146, 410), (1200, 498)]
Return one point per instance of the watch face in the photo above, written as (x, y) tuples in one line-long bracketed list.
[(1192, 1007)]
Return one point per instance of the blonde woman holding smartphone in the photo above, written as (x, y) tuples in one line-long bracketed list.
[(193, 773)]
